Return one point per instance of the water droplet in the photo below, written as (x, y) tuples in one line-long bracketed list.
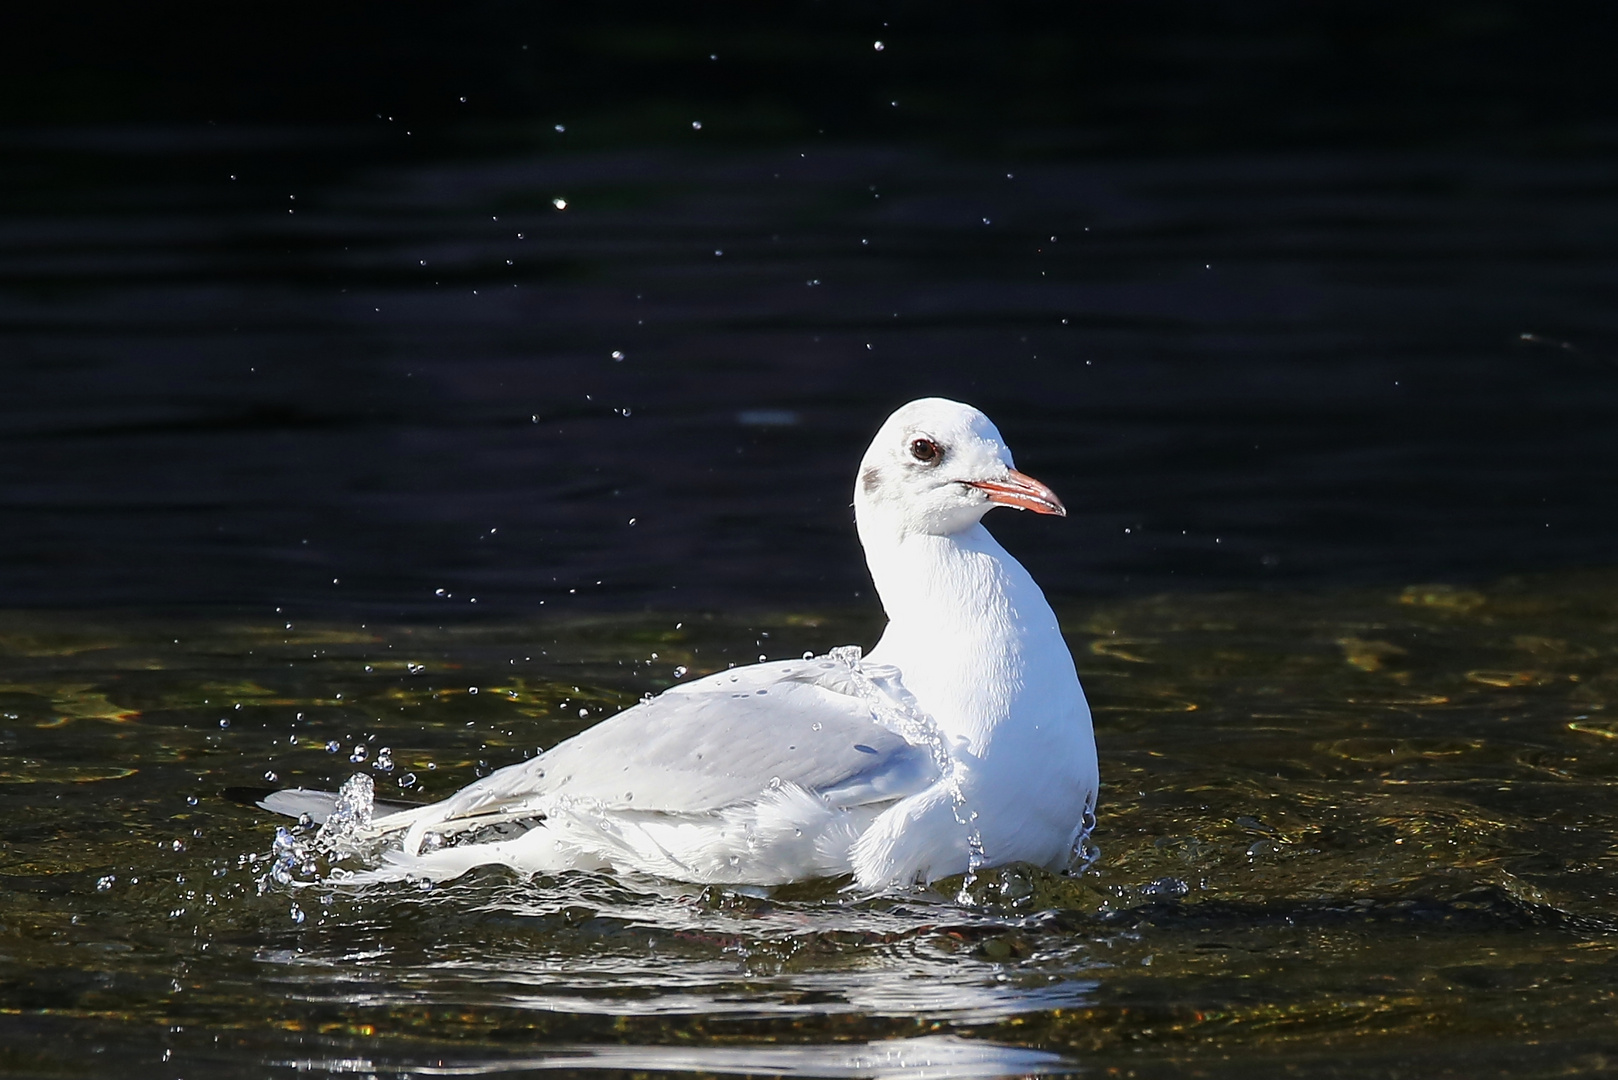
[(105, 883), (408, 780), (269, 776), (559, 127), (224, 721), (815, 726), (359, 754), (877, 45), (297, 914), (471, 689), (679, 671), (190, 800), (384, 760), (414, 668), (696, 125), (178, 845), (559, 203), (617, 354), (333, 746)]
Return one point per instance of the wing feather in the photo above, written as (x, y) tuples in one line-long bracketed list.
[(701, 747)]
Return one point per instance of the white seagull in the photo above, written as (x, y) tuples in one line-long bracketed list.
[(962, 741)]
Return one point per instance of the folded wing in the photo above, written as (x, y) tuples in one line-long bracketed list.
[(701, 748)]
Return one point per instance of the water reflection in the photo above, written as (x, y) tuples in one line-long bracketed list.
[(927, 1057)]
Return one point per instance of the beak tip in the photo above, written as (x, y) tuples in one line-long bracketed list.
[(1022, 492)]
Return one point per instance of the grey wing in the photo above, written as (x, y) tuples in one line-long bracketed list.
[(713, 743)]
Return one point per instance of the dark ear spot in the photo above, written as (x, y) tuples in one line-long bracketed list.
[(869, 479)]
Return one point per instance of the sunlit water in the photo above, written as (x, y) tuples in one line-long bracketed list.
[(1356, 833)]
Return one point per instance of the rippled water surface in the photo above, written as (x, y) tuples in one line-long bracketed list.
[(330, 369), (1351, 833)]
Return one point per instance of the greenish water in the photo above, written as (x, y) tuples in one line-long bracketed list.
[(1367, 834)]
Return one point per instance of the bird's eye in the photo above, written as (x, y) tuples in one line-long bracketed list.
[(925, 451)]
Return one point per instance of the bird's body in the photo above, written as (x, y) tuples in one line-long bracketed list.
[(962, 740)]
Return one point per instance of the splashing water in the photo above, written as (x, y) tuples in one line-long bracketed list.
[(1086, 853), (974, 843), (894, 710), (350, 819), (291, 862), (890, 708)]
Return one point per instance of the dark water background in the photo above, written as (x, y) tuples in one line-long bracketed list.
[(1307, 311), (278, 307)]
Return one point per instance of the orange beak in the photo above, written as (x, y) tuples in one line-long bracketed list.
[(1021, 491)]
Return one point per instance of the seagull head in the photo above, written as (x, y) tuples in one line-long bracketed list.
[(937, 466)]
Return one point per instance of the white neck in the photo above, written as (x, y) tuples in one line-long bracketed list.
[(970, 632)]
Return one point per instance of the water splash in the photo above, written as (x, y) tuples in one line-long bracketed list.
[(1086, 853), (350, 820), (893, 708), (974, 843), (291, 861), (890, 708)]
